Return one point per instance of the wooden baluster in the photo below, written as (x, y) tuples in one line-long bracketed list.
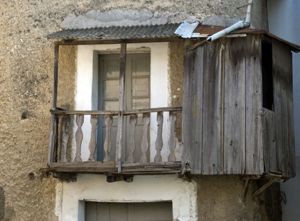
[(107, 141), (64, 138), (59, 137), (92, 144), (145, 138), (79, 137), (172, 141), (159, 139), (131, 146)]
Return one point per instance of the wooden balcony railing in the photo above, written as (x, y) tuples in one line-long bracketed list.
[(124, 145)]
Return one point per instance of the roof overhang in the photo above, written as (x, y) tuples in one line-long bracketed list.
[(147, 33)]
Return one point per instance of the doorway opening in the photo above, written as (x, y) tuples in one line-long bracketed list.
[(146, 211)]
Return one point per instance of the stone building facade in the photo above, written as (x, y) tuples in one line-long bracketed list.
[(27, 192)]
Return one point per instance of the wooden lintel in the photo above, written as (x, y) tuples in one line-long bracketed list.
[(117, 41)]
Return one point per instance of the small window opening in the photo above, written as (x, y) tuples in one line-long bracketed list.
[(267, 75)]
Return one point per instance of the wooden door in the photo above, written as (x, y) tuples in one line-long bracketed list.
[(159, 211), (137, 94)]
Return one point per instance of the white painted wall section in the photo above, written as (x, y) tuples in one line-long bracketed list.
[(159, 87), (183, 194)]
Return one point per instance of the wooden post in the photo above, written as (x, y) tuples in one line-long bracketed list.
[(121, 107), (54, 120)]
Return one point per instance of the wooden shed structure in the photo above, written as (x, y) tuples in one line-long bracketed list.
[(238, 106)]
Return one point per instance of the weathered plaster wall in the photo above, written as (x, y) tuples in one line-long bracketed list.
[(66, 76), (26, 58), (221, 198), (176, 58)]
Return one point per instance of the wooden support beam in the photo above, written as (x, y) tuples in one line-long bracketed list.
[(266, 186), (54, 120), (121, 107)]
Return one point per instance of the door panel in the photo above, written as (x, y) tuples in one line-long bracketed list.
[(137, 95), (159, 211)]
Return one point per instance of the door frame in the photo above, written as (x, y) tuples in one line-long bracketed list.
[(100, 91)]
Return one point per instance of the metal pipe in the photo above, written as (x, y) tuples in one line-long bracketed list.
[(238, 25), (248, 13)]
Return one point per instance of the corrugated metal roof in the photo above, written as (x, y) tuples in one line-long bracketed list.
[(149, 32), (117, 33)]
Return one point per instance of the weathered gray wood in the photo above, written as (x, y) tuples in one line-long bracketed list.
[(131, 143), (110, 167), (159, 139), (84, 112), (172, 141), (196, 110), (115, 113), (145, 138), (254, 145), (234, 107), (64, 138), (79, 137), (282, 79), (88, 166), (212, 104), (107, 140), (92, 144), (186, 108), (120, 140), (269, 141)]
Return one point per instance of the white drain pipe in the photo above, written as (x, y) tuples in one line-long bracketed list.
[(238, 25)]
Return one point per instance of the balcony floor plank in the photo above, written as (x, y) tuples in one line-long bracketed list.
[(110, 167)]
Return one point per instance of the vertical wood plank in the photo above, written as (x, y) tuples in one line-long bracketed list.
[(254, 145), (172, 141), (79, 137), (159, 139), (282, 79), (64, 138), (131, 143), (196, 114), (92, 144), (269, 141), (145, 138), (213, 76), (54, 124), (120, 140), (186, 108), (234, 108)]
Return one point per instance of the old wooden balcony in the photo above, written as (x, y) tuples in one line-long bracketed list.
[(145, 141)]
